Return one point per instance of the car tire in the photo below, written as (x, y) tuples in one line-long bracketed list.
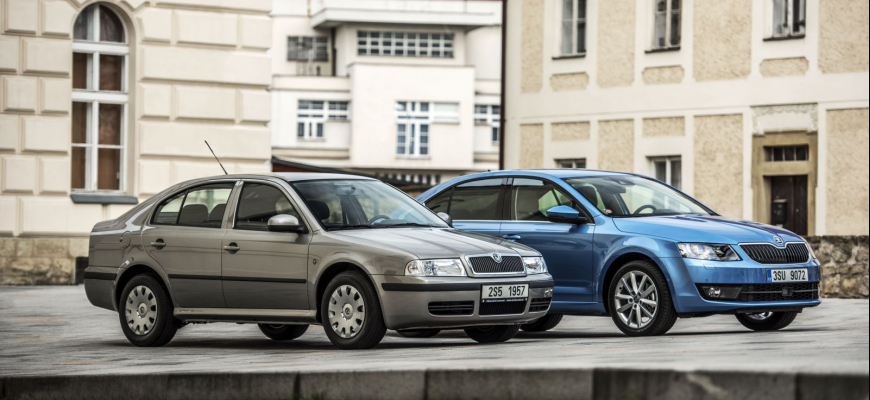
[(664, 317), (283, 332), (544, 323), (419, 333), (493, 334), (145, 312), (774, 322), (364, 326)]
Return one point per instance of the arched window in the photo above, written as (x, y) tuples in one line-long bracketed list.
[(99, 120)]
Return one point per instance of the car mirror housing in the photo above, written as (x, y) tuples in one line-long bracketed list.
[(565, 215), (446, 218), (285, 223)]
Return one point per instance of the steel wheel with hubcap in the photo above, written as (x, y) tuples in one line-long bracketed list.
[(640, 301), (282, 332), (351, 312), (767, 321), (145, 311)]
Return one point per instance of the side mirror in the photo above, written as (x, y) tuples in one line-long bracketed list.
[(446, 218), (565, 215), (285, 223)]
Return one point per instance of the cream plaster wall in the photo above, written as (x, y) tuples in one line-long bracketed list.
[(616, 145), (848, 150), (719, 163), (844, 40), (569, 131), (532, 145), (532, 31), (664, 127), (723, 39), (616, 42), (785, 67)]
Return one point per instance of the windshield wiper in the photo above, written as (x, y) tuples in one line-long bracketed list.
[(348, 227)]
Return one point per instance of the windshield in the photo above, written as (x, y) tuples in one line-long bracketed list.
[(633, 196), (363, 204)]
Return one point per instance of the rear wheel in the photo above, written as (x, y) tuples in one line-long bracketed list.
[(493, 334), (145, 312), (544, 323), (770, 321), (283, 332), (351, 312), (640, 300), (419, 333)]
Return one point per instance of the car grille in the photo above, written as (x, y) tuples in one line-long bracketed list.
[(793, 253), (503, 307), (486, 265), (539, 305), (451, 308), (792, 291)]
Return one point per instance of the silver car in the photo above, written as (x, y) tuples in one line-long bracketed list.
[(288, 250)]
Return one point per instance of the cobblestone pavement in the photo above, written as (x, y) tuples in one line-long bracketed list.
[(55, 331)]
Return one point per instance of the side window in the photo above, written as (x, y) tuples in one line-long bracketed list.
[(204, 206), (441, 202), (167, 212), (531, 198), (477, 201), (259, 203)]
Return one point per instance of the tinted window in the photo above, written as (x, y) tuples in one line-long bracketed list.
[(258, 204), (204, 206), (476, 200), (531, 198), (167, 212), (441, 202)]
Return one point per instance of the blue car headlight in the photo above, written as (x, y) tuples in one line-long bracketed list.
[(708, 252)]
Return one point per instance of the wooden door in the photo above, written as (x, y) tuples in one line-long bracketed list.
[(788, 207)]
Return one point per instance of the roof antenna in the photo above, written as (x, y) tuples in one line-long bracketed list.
[(215, 157)]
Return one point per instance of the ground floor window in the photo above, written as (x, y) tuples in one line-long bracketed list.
[(668, 170), (412, 128)]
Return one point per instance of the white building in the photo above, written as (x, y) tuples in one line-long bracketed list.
[(400, 89)]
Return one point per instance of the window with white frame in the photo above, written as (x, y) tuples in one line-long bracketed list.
[(446, 113), (573, 27), (667, 25), (490, 115), (412, 128), (312, 114), (668, 170), (405, 44), (788, 18), (307, 48), (99, 101), (572, 163)]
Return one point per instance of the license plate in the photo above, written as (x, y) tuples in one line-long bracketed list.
[(787, 275), (498, 292)]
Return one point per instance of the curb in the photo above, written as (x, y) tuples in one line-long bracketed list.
[(495, 384)]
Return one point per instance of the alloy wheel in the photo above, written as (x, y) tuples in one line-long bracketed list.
[(759, 316), (347, 311), (141, 310), (636, 300)]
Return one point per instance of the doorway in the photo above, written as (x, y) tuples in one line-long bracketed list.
[(788, 203)]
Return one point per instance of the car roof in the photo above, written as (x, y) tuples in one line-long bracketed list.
[(562, 173), (285, 176)]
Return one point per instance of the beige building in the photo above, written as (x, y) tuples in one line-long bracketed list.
[(103, 104), (759, 108)]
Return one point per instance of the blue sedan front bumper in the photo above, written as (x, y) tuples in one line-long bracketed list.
[(686, 275)]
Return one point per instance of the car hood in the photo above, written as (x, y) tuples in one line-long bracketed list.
[(704, 229), (431, 243)]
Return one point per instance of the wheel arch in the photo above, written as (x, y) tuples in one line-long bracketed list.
[(331, 272), (625, 257), (133, 271)]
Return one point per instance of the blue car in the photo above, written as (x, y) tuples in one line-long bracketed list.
[(636, 249)]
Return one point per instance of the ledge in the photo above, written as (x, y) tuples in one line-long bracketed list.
[(663, 50), (87, 198), (782, 38), (569, 57)]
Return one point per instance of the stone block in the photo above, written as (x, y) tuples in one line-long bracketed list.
[(52, 56), (186, 140), (263, 6), (532, 46), (255, 32), (9, 53), (9, 132), (828, 386), (46, 134), (21, 16), (24, 248), (53, 248), (54, 174), (403, 385), (569, 131), (56, 95), (19, 173), (844, 43), (531, 146), (664, 127), (58, 216), (261, 168), (205, 103), (134, 4), (156, 24), (207, 28), (663, 75), (8, 214), (616, 145), (57, 18), (784, 67), (616, 38), (185, 171), (20, 93), (156, 100), (231, 386), (78, 247), (723, 39), (610, 384), (201, 65), (256, 106), (154, 176), (7, 246)]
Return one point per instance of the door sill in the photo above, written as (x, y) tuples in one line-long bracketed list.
[(246, 315)]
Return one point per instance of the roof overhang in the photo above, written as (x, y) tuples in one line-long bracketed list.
[(332, 17)]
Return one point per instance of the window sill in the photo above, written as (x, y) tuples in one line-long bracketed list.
[(445, 122), (663, 50), (94, 198), (314, 140), (784, 38), (413, 157), (569, 56)]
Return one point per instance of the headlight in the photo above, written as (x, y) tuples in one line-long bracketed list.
[(435, 268), (535, 265), (709, 252)]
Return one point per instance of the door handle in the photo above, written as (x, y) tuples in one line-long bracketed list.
[(232, 248), (159, 244), (512, 238)]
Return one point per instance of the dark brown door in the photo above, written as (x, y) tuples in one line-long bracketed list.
[(788, 208)]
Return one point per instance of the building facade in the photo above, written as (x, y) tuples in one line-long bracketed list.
[(758, 108), (400, 89), (105, 103)]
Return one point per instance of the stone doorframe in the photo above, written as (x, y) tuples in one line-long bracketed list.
[(762, 171)]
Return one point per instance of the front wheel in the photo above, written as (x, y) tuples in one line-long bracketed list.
[(640, 300), (419, 333), (493, 334), (543, 324), (145, 311), (283, 332), (769, 321), (351, 312)]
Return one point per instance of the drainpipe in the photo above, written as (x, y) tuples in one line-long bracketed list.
[(502, 119)]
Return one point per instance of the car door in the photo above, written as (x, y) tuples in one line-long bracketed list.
[(474, 206), (184, 237), (567, 248), (263, 269)]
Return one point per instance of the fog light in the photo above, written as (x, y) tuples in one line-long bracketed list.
[(714, 292), (723, 293), (548, 292)]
